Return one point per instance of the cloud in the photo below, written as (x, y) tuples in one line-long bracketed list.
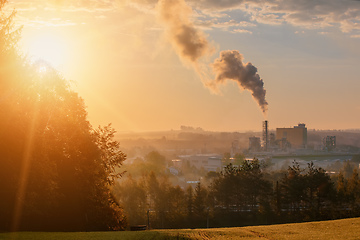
[(310, 14), (40, 22), (344, 14), (241, 31), (268, 18), (217, 4), (224, 25)]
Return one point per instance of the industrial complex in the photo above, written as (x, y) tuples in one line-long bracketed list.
[(286, 139)]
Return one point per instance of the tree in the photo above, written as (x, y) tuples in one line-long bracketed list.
[(240, 188), (200, 203), (341, 188), (319, 189), (305, 192), (55, 170), (177, 207), (190, 202), (347, 169), (132, 195), (353, 190), (293, 188)]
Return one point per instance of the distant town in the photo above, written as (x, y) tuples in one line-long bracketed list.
[(208, 151)]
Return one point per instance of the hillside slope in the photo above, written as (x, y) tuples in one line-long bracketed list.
[(337, 229)]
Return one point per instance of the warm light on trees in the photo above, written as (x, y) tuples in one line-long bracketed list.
[(55, 170)]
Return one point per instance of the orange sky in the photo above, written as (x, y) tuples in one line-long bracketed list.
[(131, 73)]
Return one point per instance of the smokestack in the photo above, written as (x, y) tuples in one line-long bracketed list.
[(265, 135)]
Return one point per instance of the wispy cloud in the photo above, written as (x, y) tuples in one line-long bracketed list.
[(43, 22), (241, 31), (65, 5), (306, 13), (224, 25), (310, 14)]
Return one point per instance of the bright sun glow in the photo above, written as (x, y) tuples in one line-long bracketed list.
[(42, 69), (48, 47)]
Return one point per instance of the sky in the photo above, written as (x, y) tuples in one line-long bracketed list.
[(223, 65)]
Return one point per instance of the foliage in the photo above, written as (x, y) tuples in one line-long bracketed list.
[(244, 194), (55, 170), (240, 188), (200, 201), (152, 199), (307, 189)]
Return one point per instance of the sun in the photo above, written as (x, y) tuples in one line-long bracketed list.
[(47, 47)]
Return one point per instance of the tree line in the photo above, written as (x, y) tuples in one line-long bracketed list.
[(56, 170), (244, 194)]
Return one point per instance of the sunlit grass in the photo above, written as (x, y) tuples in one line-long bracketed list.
[(338, 229)]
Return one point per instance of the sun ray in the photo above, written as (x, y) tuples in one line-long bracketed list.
[(24, 172)]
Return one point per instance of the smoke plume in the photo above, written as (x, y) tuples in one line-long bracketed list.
[(230, 66), (189, 43)]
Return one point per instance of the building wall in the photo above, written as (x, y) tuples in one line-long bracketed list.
[(210, 162), (297, 136)]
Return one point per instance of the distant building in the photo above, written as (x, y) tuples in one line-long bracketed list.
[(296, 136), (177, 163), (235, 148), (272, 139), (210, 162), (330, 143), (254, 144)]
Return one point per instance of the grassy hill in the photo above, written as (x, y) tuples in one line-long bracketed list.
[(338, 229)]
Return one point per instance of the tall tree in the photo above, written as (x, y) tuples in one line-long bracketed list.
[(55, 170), (319, 189), (200, 200), (353, 190), (133, 195), (341, 189), (190, 202), (293, 188), (240, 188)]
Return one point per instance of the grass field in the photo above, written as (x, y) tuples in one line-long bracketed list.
[(338, 229)]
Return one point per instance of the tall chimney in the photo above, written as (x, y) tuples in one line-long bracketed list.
[(265, 135)]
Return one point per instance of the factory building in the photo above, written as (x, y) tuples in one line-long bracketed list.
[(329, 143), (296, 136), (209, 162)]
